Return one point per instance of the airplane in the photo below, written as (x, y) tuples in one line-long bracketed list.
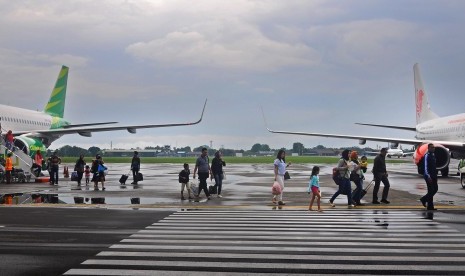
[(446, 133), (34, 130), (393, 152)]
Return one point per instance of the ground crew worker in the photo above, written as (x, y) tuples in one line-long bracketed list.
[(8, 168)]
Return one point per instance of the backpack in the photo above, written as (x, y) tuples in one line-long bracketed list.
[(183, 175), (180, 178), (336, 176), (421, 165)]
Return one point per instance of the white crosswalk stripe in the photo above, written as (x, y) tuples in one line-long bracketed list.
[(356, 242)]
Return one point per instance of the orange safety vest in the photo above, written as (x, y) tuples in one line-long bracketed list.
[(9, 164)]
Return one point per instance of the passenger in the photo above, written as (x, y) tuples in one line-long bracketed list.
[(9, 140), (461, 170), (101, 172), (357, 177), (217, 171), (314, 188), (364, 164), (203, 166), (344, 185), (8, 168), (135, 167), (431, 178), (48, 167), (380, 175), (54, 162), (37, 166), (184, 180), (87, 174), (79, 168), (279, 171)]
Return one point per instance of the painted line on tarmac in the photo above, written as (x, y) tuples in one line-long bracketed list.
[(254, 207)]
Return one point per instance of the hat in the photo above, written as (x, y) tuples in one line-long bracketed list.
[(353, 155), (135, 152)]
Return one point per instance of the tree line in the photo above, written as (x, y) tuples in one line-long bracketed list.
[(256, 149)]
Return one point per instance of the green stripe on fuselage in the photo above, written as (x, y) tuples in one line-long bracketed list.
[(58, 123)]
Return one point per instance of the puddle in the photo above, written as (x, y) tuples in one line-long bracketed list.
[(35, 198)]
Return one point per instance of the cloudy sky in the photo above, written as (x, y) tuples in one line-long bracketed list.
[(312, 65)]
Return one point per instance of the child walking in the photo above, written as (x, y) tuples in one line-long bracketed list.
[(314, 188), (87, 174), (184, 180)]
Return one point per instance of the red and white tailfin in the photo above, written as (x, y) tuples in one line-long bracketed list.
[(421, 100)]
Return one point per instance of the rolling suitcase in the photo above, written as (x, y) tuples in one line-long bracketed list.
[(123, 179), (139, 177), (365, 190)]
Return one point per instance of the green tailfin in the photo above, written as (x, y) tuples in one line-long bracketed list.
[(56, 103)]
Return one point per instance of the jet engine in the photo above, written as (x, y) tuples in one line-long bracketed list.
[(29, 145), (442, 157)]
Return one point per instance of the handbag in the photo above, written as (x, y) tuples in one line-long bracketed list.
[(286, 176), (276, 188), (74, 176)]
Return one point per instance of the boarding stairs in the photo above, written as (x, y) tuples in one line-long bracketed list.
[(20, 160)]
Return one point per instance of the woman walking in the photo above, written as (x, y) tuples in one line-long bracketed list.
[(344, 183), (279, 172), (217, 171)]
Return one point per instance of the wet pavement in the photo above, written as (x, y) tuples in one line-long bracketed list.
[(246, 185)]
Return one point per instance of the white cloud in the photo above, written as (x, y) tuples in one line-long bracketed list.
[(252, 51)]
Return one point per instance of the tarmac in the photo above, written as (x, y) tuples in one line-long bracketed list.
[(247, 186)]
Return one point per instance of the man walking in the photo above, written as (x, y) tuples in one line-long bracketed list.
[(203, 166), (380, 175), (431, 178), (54, 162)]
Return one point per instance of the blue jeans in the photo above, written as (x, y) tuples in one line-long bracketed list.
[(358, 190), (344, 188), (219, 182)]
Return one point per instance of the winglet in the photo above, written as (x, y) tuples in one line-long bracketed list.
[(201, 115), (264, 120)]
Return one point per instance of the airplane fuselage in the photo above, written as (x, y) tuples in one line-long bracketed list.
[(450, 128), (23, 120)]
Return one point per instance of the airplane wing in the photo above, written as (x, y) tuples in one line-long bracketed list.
[(363, 139), (91, 124), (87, 130), (389, 126)]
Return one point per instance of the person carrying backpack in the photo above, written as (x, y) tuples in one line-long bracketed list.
[(431, 178), (344, 182), (184, 180)]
